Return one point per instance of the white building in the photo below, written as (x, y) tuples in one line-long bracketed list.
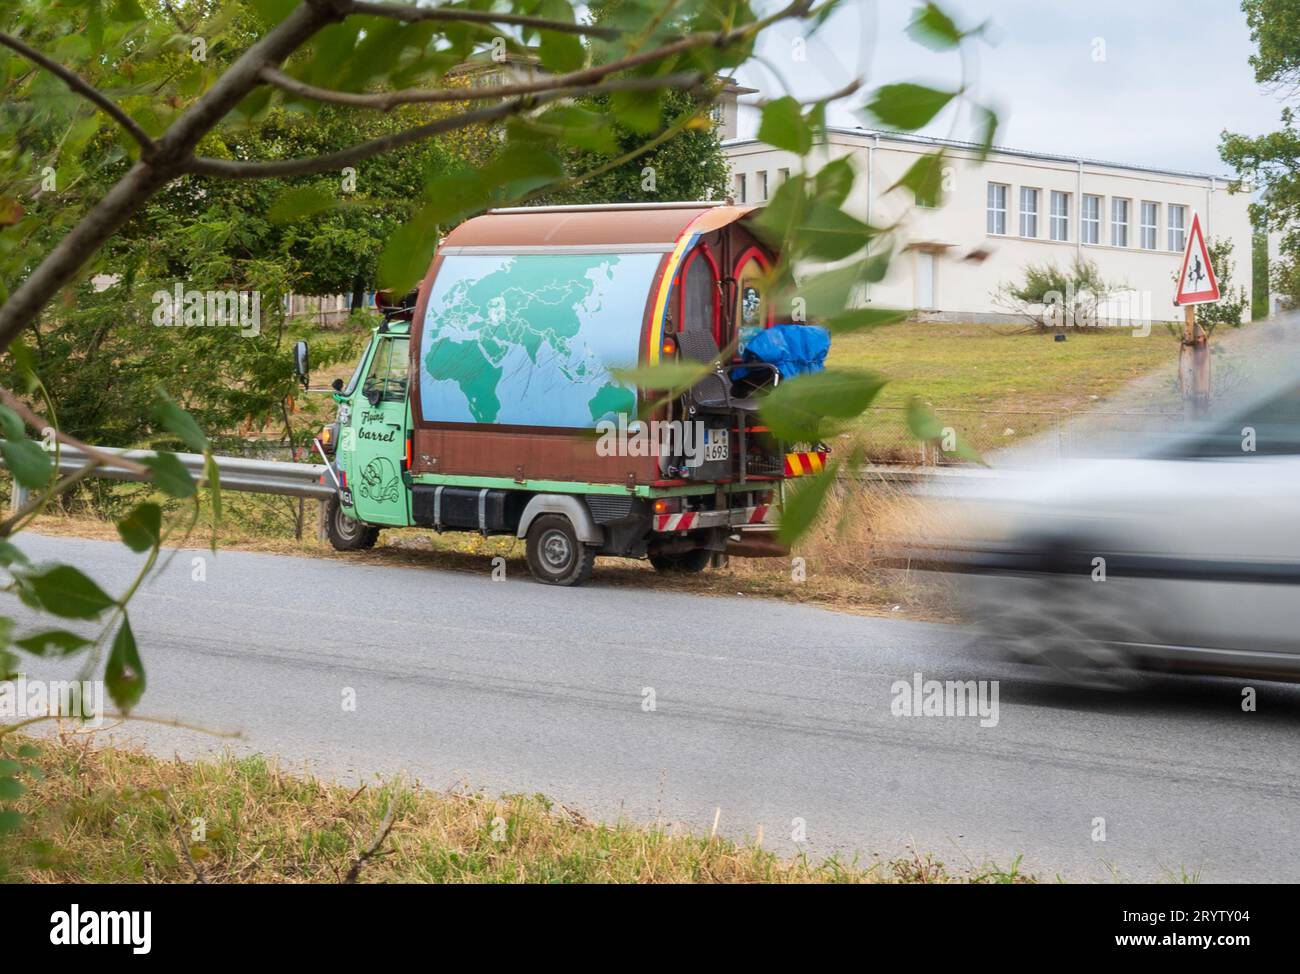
[(1016, 209)]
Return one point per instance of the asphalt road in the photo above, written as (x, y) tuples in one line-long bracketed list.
[(769, 711)]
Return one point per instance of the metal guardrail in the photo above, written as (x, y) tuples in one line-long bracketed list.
[(237, 473)]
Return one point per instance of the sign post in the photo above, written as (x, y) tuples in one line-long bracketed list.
[(1196, 285)]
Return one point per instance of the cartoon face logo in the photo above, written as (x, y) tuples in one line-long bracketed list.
[(379, 481), (750, 300)]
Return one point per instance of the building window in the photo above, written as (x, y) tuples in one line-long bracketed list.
[(1060, 215), (782, 175), (997, 222), (740, 188), (762, 184), (1028, 212), (1090, 220), (1119, 223), (715, 113), (1177, 227), (1150, 221)]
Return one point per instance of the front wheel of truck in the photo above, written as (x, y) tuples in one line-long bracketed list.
[(345, 533), (555, 555)]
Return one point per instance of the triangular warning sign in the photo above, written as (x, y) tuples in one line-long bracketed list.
[(1197, 283)]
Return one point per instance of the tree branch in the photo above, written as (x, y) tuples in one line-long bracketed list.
[(333, 161), (81, 86), (149, 175), (413, 15)]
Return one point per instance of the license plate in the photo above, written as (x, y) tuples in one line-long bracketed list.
[(717, 445)]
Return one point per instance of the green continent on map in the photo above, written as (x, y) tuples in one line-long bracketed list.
[(612, 399), (465, 364), (530, 303)]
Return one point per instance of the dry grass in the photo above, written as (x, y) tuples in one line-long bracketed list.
[(99, 814)]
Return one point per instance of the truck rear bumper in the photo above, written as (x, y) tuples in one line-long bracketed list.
[(693, 520)]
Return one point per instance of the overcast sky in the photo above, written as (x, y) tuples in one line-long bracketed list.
[(1150, 82)]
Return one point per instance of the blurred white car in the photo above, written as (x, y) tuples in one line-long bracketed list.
[(1185, 557)]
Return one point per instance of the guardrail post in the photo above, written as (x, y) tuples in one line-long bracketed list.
[(18, 497)]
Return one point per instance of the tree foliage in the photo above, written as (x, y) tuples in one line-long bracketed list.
[(1270, 163)]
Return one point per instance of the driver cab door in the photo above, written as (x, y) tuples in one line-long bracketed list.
[(379, 426)]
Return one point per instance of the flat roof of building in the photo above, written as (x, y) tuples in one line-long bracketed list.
[(866, 133)]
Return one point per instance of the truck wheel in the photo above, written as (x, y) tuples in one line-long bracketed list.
[(555, 555), (345, 533), (695, 560)]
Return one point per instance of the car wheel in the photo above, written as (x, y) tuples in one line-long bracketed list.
[(555, 554), (1073, 626), (346, 533)]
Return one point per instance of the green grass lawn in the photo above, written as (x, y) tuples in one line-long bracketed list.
[(988, 379)]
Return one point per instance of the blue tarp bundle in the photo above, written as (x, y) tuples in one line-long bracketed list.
[(793, 349)]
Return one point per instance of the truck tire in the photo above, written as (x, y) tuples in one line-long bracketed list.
[(555, 555), (345, 533), (695, 560)]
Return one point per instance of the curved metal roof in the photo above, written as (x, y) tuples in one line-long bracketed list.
[(628, 226)]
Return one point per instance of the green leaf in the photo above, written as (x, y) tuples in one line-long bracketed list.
[(407, 254), (908, 106), (29, 751), (10, 821), (11, 424), (560, 53), (30, 465), (142, 528), (66, 592), (170, 475), (640, 111), (784, 127), (923, 424), (9, 554), (520, 169), (124, 672), (925, 179), (827, 233), (301, 202), (833, 292), (794, 410), (803, 502), (934, 28), (11, 789), (668, 376), (127, 10), (834, 181), (8, 767), (863, 319), (212, 474), (177, 421), (988, 130), (53, 642)]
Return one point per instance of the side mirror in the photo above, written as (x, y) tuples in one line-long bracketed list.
[(337, 385), (301, 362)]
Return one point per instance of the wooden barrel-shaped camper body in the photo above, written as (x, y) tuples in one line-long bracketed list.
[(525, 315)]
